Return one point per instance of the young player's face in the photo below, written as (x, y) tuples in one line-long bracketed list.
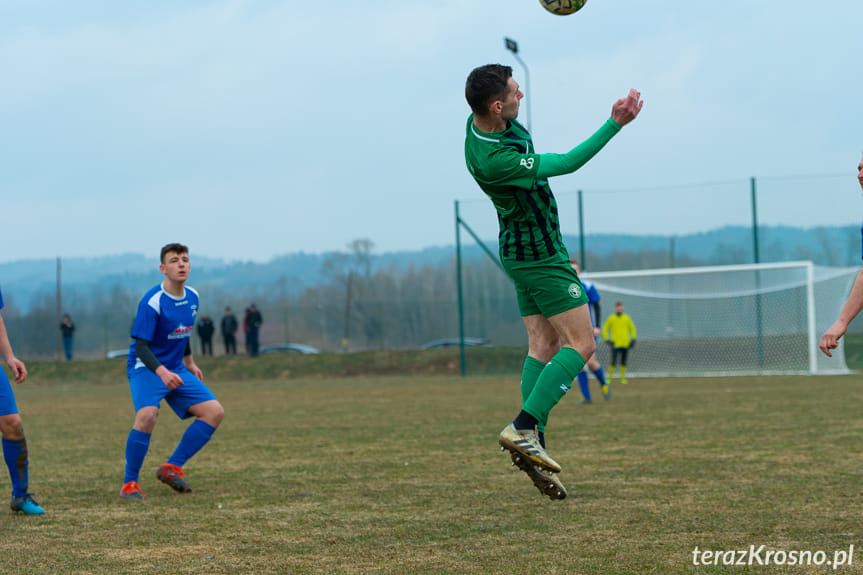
[(176, 267), (860, 173), (510, 102), (618, 309)]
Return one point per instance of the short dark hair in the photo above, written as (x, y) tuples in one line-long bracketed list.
[(172, 249), (485, 85)]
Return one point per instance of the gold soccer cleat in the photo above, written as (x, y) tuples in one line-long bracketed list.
[(547, 483), (526, 442)]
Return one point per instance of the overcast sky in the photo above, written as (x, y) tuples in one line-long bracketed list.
[(251, 128)]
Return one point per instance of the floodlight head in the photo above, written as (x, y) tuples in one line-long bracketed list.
[(511, 45)]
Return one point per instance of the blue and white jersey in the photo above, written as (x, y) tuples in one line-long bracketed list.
[(1, 300), (167, 323), (592, 298)]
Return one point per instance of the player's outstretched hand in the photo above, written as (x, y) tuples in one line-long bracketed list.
[(626, 109), (830, 339)]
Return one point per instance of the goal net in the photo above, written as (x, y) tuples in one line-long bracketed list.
[(753, 319)]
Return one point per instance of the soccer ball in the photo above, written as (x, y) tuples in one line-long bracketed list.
[(563, 7)]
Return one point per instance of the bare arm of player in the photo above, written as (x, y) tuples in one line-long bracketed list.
[(15, 364), (830, 339), (189, 362)]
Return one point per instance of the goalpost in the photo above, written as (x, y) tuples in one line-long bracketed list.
[(753, 319)]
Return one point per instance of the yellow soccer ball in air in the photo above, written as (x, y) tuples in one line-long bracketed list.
[(563, 7)]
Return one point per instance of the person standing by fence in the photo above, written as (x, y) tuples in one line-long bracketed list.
[(229, 331), (254, 321), (206, 329), (67, 331)]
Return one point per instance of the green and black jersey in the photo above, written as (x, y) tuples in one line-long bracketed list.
[(515, 177)]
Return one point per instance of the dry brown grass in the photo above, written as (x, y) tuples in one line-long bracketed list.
[(402, 475)]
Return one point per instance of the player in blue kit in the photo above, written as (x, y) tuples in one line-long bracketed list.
[(14, 445), (160, 367), (592, 363)]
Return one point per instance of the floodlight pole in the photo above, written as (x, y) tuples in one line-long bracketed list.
[(512, 46)]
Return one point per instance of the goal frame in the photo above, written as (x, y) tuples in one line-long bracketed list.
[(807, 266)]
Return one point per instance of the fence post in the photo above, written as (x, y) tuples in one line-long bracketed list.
[(460, 295)]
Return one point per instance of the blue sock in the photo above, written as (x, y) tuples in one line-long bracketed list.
[(15, 455), (582, 384), (600, 375), (136, 450), (196, 436)]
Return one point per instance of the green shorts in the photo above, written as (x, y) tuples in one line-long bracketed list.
[(546, 287)]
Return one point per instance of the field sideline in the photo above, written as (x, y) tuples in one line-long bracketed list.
[(402, 475)]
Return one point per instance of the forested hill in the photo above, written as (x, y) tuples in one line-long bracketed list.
[(292, 273)]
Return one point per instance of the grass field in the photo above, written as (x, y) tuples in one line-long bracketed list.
[(392, 474)]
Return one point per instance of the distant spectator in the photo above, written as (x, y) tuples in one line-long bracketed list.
[(67, 330), (229, 331), (246, 329), (206, 329), (253, 322)]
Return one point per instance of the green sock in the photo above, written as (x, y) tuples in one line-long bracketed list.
[(529, 374), (553, 383)]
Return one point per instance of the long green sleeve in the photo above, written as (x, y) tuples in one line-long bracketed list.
[(560, 164)]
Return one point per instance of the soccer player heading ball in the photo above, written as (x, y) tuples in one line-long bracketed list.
[(500, 157)]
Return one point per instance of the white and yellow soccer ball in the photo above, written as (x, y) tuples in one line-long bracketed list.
[(563, 7)]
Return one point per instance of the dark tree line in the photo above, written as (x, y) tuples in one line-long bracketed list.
[(357, 306)]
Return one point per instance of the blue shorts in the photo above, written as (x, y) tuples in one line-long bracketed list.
[(149, 391), (7, 398)]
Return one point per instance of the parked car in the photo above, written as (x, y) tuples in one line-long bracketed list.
[(289, 348), (455, 342)]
